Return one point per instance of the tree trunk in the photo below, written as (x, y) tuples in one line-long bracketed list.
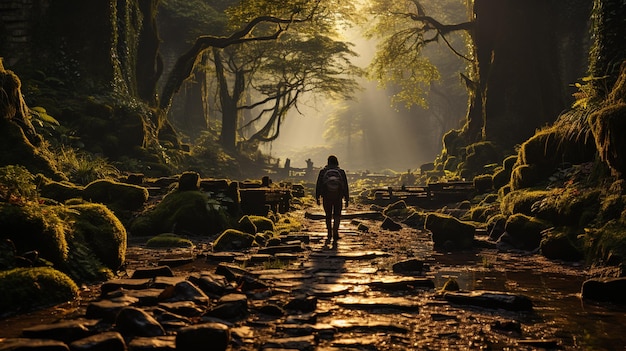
[(528, 54)]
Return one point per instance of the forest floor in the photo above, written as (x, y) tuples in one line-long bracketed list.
[(363, 304)]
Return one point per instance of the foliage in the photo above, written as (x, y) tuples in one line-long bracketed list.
[(167, 240), (606, 244), (84, 168), (405, 30), (182, 212), (23, 289), (17, 184)]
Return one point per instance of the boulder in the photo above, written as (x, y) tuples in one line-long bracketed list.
[(524, 232), (232, 239), (118, 196), (491, 299), (208, 336), (610, 290), (449, 232), (390, 224), (133, 321), (109, 341), (189, 181)]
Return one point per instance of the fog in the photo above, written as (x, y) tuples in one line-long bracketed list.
[(389, 137)]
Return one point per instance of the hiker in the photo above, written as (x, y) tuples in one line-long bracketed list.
[(332, 186)]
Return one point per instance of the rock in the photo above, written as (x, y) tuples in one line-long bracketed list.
[(449, 232), (610, 289), (176, 262), (272, 310), (306, 342), (159, 343), (108, 309), (214, 285), (108, 341), (232, 239), (302, 303), (281, 249), (11, 344), (117, 196), (62, 331), (136, 322), (230, 307), (184, 291), (183, 308), (524, 232), (378, 303), (402, 283), (408, 266), (489, 299), (209, 336), (507, 326), (390, 224), (152, 272), (189, 181), (130, 284)]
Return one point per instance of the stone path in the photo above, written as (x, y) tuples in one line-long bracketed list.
[(374, 291)]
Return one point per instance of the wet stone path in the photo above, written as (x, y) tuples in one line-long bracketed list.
[(376, 290)]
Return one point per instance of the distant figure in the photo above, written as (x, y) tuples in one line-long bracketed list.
[(332, 187)]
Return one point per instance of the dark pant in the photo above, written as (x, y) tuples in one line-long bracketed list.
[(332, 208)]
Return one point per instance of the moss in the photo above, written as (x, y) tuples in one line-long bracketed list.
[(24, 289), (262, 224), (398, 210), (525, 231), (35, 227), (168, 240), (482, 213), (483, 183), (521, 201), (449, 232), (288, 224), (478, 156), (416, 220), (501, 178), (604, 125), (246, 225), (182, 211), (526, 176), (561, 245), (118, 196), (59, 191), (509, 162), (102, 231), (232, 239), (606, 245), (569, 206)]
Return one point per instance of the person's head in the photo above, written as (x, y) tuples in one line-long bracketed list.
[(332, 160)]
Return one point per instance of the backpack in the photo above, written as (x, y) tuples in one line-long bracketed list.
[(332, 182)]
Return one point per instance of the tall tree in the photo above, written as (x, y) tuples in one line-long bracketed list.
[(513, 89)]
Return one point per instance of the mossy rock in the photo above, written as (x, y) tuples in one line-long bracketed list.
[(26, 289), (262, 224), (521, 201), (118, 196), (449, 232), (398, 210), (569, 207), (483, 183), (509, 162), (35, 227), (606, 245), (612, 148), (479, 155), (482, 213), (182, 211), (168, 240), (246, 225), (501, 178), (559, 245), (189, 181), (524, 232), (59, 191), (232, 239), (102, 231), (453, 142), (416, 220), (526, 176)]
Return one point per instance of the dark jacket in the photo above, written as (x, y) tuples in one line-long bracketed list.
[(319, 187)]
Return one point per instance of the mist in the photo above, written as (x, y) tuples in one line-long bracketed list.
[(389, 137)]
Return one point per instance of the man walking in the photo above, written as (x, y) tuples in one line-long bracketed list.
[(332, 187)]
